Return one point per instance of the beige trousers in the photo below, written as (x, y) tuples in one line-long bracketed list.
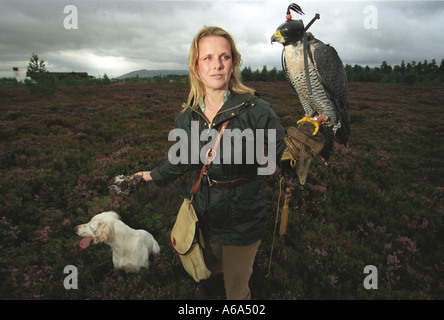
[(236, 263)]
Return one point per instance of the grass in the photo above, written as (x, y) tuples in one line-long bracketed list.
[(379, 202)]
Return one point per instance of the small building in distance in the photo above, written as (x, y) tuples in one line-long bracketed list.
[(60, 75)]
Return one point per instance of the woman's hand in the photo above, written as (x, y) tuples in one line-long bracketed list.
[(146, 175)]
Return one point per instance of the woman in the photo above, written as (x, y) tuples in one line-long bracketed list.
[(231, 201)]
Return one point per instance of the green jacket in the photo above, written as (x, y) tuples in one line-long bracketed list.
[(237, 215)]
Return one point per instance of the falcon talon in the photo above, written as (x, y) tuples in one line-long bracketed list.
[(314, 123)]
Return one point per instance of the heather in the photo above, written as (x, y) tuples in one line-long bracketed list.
[(379, 202)]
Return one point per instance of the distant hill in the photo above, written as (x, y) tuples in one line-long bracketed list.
[(144, 73)]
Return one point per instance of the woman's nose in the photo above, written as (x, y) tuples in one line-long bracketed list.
[(218, 64)]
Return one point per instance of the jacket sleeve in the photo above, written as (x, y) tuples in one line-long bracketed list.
[(168, 171), (283, 160), (280, 135), (274, 131)]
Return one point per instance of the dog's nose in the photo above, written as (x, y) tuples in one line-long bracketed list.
[(76, 228)]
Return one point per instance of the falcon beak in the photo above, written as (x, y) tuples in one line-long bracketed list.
[(277, 37)]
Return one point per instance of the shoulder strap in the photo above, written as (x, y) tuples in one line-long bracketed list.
[(211, 154)]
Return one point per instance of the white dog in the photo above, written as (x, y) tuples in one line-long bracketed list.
[(131, 248)]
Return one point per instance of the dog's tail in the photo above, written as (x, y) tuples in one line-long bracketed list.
[(156, 248)]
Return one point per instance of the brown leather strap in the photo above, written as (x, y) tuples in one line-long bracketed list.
[(211, 154), (230, 183)]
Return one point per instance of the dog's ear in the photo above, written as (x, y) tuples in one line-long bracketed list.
[(114, 214), (103, 233)]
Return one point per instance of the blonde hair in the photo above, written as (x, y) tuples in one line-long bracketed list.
[(197, 90)]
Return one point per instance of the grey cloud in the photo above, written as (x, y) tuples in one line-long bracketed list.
[(116, 35)]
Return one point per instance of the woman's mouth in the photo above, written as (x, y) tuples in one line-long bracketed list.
[(217, 76)]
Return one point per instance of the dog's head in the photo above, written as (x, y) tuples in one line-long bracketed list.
[(99, 229)]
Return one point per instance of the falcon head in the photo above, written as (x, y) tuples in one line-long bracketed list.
[(290, 32)]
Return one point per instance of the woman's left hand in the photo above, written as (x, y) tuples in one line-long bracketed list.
[(146, 175)]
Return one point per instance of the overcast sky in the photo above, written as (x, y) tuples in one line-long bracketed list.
[(119, 36)]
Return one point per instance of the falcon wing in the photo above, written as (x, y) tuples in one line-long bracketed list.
[(331, 74)]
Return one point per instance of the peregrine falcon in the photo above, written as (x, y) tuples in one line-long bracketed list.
[(316, 72)]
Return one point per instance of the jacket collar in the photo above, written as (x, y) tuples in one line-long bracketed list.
[(224, 99), (235, 104)]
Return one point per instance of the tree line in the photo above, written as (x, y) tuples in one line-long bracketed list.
[(410, 73)]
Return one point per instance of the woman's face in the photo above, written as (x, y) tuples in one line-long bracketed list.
[(215, 62)]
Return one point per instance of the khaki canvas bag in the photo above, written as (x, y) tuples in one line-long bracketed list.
[(186, 237), (187, 240)]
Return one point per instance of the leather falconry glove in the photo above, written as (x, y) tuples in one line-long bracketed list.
[(304, 142)]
